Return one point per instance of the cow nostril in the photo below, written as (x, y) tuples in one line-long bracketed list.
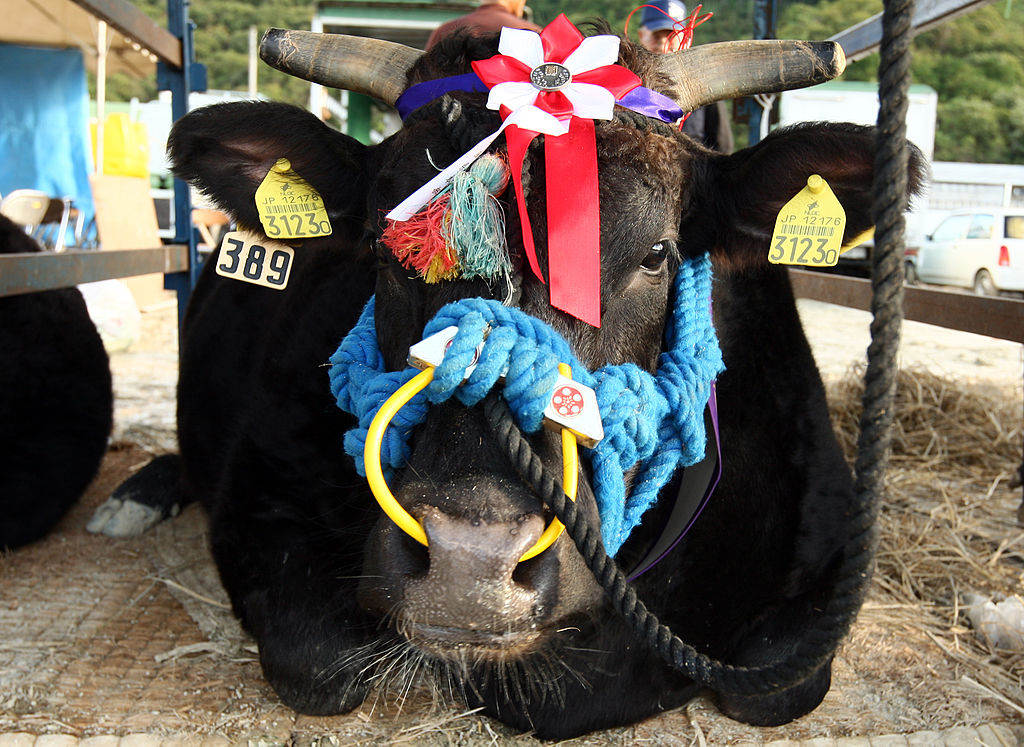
[(539, 574), (527, 573), (403, 556), (417, 555)]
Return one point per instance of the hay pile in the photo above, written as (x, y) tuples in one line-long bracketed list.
[(948, 523)]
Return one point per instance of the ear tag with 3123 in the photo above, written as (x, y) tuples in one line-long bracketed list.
[(289, 207), (809, 228)]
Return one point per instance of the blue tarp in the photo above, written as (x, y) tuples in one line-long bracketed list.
[(44, 123)]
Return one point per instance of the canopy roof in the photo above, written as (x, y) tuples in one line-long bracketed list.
[(407, 22), (135, 42)]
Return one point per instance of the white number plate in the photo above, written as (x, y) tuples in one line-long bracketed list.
[(252, 259)]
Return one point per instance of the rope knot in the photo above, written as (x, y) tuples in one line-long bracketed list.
[(653, 424)]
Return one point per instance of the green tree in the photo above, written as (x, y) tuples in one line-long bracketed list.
[(222, 44), (975, 63)]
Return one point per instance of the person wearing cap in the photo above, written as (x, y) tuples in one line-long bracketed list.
[(659, 22), (491, 16)]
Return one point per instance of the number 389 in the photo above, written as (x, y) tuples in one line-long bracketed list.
[(255, 263)]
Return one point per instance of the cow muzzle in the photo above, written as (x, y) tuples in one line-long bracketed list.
[(461, 561), (471, 597), (467, 595)]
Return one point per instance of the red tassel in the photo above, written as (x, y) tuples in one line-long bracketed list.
[(419, 243)]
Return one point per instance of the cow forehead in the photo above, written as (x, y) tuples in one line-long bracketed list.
[(641, 175), (631, 160)]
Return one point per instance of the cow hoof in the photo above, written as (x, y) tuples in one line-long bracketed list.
[(143, 500), (117, 518)]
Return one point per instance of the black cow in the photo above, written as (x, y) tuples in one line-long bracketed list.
[(338, 598), (56, 403)]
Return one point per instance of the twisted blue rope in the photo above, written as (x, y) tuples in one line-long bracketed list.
[(654, 423)]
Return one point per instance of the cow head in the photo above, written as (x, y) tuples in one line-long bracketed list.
[(664, 201)]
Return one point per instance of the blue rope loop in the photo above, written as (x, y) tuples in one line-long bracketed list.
[(652, 423)]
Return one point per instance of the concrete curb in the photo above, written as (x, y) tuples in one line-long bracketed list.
[(987, 735)]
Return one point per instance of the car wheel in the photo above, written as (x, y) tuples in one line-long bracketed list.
[(984, 285), (909, 273)]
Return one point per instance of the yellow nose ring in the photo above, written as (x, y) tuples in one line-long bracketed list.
[(405, 520)]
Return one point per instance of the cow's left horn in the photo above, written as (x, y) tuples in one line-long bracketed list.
[(374, 67), (726, 70)]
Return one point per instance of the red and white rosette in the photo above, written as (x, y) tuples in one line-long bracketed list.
[(556, 83)]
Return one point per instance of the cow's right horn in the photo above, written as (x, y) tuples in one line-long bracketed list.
[(727, 70), (374, 67)]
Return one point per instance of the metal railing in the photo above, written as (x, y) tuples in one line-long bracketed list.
[(39, 271), (1002, 318)]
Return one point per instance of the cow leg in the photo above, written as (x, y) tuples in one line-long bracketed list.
[(294, 597), (151, 495), (775, 638), (287, 531), (781, 707)]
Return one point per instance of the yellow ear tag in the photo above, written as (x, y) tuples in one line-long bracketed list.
[(809, 228), (289, 208)]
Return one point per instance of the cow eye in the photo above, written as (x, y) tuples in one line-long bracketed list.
[(382, 254), (657, 255)]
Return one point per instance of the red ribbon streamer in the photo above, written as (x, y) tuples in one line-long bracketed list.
[(518, 141), (573, 209), (574, 225)]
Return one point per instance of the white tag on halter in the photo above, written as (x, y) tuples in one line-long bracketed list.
[(571, 405)]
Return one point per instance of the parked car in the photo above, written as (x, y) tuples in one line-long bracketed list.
[(856, 260), (982, 249)]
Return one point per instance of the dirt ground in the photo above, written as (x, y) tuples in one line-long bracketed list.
[(101, 636)]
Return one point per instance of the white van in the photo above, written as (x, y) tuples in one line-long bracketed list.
[(982, 249)]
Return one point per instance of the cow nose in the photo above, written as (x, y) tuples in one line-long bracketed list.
[(469, 585)]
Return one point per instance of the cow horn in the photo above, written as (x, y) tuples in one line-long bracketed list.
[(374, 67), (727, 70)]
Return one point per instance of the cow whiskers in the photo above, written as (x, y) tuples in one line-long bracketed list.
[(391, 667), (535, 680), (394, 669)]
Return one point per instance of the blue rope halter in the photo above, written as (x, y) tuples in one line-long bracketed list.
[(654, 423)]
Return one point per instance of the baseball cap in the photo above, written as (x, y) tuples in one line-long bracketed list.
[(654, 17)]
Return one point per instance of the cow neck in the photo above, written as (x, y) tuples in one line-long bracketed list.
[(653, 423)]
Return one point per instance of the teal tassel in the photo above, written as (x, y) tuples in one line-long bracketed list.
[(477, 228)]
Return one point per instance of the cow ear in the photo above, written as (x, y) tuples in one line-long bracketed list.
[(736, 199), (226, 150)]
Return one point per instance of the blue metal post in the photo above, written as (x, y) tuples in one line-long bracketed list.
[(180, 82)]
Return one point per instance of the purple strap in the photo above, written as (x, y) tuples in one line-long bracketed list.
[(641, 100), (423, 93), (698, 483)]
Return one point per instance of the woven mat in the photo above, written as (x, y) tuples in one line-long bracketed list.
[(126, 637)]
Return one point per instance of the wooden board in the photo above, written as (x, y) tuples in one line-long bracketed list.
[(126, 219)]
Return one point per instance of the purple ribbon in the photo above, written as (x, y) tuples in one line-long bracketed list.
[(641, 100), (651, 104)]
